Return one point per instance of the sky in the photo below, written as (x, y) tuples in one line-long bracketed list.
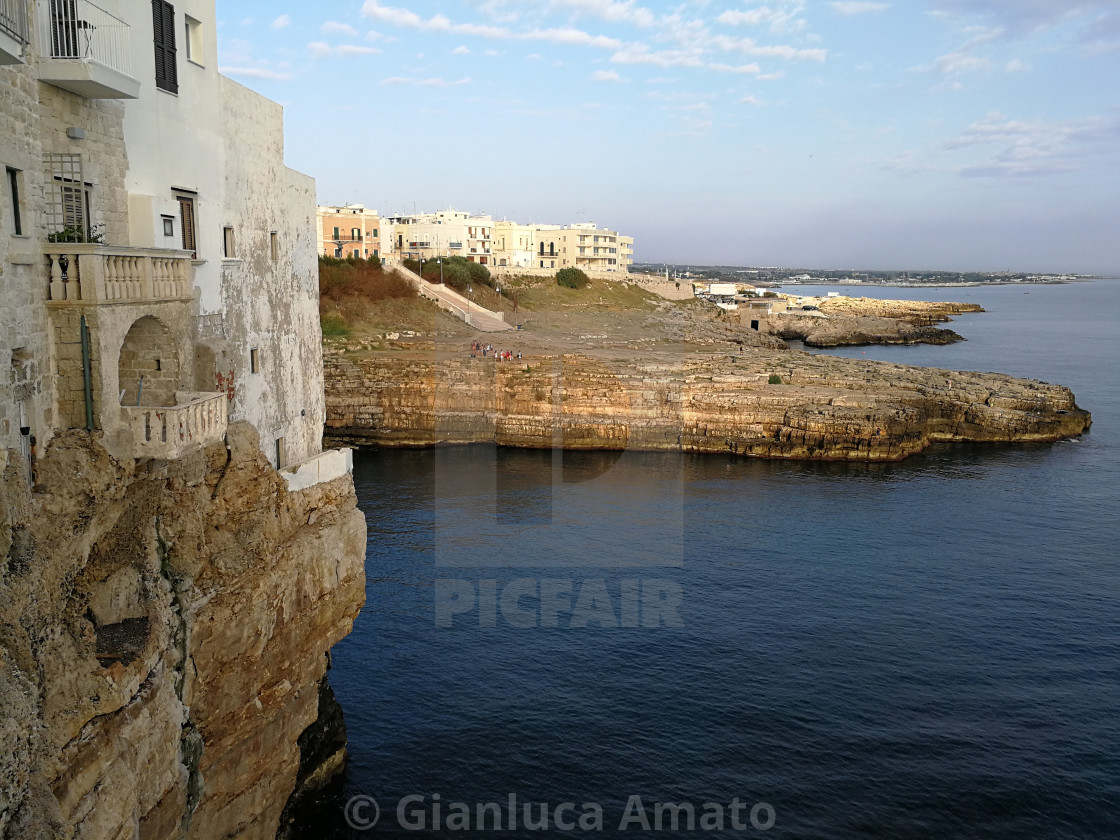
[(913, 134)]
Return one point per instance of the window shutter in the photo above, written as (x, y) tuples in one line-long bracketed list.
[(163, 33), (186, 210)]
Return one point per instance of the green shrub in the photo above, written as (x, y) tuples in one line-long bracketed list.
[(334, 325), (775, 379), (572, 278)]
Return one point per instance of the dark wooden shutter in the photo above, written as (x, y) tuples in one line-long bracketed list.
[(163, 33), (186, 220)]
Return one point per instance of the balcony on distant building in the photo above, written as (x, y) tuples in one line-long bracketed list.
[(85, 50), (13, 31)]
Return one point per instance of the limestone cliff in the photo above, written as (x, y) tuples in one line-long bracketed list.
[(823, 408), (164, 629)]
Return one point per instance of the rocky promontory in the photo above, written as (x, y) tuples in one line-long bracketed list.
[(763, 403)]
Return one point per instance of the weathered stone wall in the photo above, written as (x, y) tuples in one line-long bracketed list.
[(271, 304), (826, 408), (163, 637)]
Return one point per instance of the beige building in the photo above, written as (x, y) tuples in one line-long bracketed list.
[(349, 231), (514, 245), (582, 246)]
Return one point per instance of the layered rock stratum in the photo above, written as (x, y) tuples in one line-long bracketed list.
[(164, 634), (764, 403)]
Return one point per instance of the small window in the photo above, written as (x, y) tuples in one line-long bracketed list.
[(374, 234), (13, 196), (193, 41), (187, 223), (356, 234), (254, 360), (168, 225), (336, 233), (274, 244), (228, 250)]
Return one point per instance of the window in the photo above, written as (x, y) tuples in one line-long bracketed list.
[(254, 361), (69, 200), (274, 244), (187, 224), (355, 234), (336, 233), (228, 251), (193, 39), (163, 35), (374, 234), (168, 225), (13, 195), (280, 456)]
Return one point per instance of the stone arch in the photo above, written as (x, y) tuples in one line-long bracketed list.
[(148, 352)]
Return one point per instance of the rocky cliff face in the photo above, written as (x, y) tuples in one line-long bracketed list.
[(824, 408), (164, 630)]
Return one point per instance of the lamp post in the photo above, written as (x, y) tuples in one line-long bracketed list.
[(440, 261), (469, 290)]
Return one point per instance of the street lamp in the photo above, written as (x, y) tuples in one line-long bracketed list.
[(440, 261), (469, 290)]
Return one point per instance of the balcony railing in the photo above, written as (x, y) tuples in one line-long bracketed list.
[(88, 273), (13, 20), (168, 432), (85, 49)]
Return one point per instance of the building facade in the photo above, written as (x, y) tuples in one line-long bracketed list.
[(514, 245), (584, 246), (350, 231), (447, 233), (157, 260)]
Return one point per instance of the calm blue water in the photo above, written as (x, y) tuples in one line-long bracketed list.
[(924, 649)]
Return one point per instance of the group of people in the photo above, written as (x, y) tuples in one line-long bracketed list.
[(488, 350)]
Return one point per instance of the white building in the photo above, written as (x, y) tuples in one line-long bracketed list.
[(194, 295), (447, 233)]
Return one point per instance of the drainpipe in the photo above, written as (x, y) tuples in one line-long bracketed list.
[(87, 375)]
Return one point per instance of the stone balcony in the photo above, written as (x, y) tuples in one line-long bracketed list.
[(168, 432), (86, 273)]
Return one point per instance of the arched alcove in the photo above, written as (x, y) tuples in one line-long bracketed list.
[(148, 367)]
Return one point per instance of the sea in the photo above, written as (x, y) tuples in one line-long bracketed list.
[(636, 644)]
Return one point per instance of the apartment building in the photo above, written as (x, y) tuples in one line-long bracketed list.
[(448, 233), (349, 231), (583, 246), (153, 239)]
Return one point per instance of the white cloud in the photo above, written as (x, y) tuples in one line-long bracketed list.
[(1026, 148), (432, 82), (575, 37), (461, 51), (752, 47), (606, 76), (491, 53), (341, 28), (749, 99), (1017, 66), (857, 7), (319, 49), (784, 16), (280, 22), (610, 11), (256, 73)]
